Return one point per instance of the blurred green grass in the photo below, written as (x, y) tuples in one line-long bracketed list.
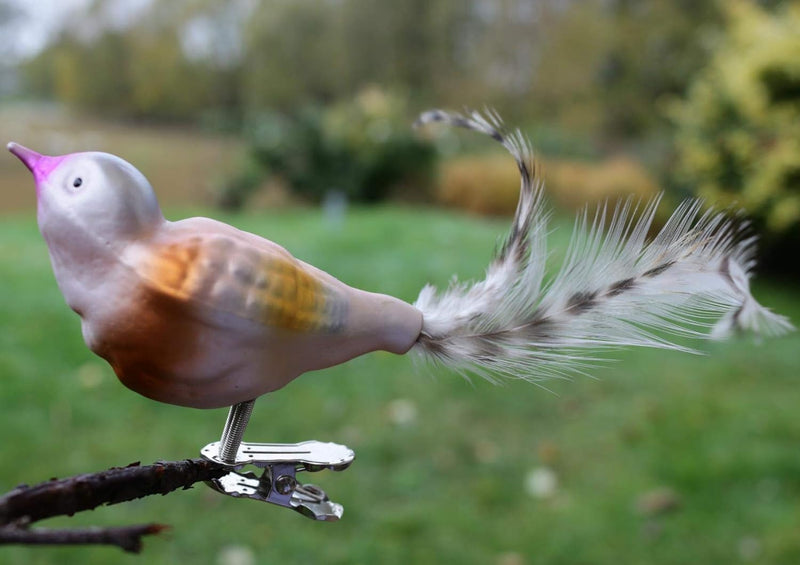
[(441, 464)]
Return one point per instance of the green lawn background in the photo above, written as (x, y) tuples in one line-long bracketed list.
[(442, 464)]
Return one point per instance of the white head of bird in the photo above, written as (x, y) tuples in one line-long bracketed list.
[(201, 314), (88, 206), (103, 194)]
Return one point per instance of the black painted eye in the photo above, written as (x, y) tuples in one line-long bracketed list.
[(77, 182)]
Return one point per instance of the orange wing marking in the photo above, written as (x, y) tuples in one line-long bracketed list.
[(225, 275)]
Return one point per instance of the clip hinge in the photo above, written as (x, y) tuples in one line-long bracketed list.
[(278, 483)]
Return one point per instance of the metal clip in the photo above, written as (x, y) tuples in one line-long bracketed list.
[(278, 483)]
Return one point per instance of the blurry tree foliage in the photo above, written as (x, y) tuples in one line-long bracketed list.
[(141, 71), (602, 70), (738, 131), (595, 66), (605, 65)]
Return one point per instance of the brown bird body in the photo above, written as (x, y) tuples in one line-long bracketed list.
[(203, 287)]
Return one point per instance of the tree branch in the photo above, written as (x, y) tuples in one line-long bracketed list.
[(25, 505), (128, 538)]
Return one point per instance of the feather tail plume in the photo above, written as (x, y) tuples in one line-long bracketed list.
[(615, 288)]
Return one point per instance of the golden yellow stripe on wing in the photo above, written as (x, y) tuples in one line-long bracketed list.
[(291, 299), (230, 277)]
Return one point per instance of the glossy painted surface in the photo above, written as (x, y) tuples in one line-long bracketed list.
[(195, 312)]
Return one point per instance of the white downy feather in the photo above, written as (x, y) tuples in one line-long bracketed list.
[(614, 289)]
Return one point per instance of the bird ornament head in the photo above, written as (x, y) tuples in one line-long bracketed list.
[(94, 192)]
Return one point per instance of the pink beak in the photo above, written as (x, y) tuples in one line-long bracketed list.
[(39, 165)]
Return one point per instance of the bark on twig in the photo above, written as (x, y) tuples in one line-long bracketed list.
[(24, 505), (128, 538)]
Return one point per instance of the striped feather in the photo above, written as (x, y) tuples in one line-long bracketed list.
[(615, 288)]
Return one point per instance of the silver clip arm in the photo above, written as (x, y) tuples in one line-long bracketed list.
[(278, 483)]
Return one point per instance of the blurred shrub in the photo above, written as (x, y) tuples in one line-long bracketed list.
[(486, 184), (236, 190), (490, 184), (738, 131), (363, 148), (575, 184)]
